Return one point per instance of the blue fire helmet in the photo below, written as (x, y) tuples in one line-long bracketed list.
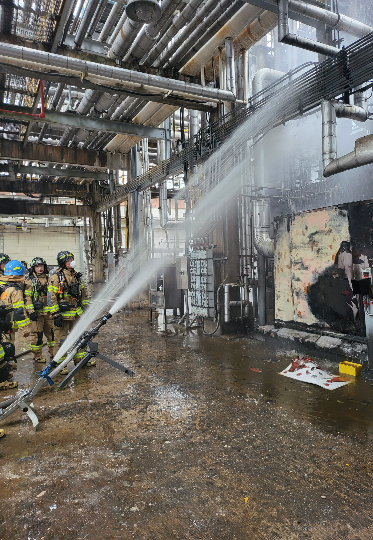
[(14, 268)]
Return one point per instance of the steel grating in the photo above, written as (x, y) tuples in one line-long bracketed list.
[(351, 68)]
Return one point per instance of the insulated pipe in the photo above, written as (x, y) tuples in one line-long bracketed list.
[(216, 27), (204, 23), (124, 39), (97, 17), (291, 39), (226, 303), (117, 29), (344, 110), (185, 16), (186, 32), (329, 133), (360, 99), (41, 60), (112, 17), (84, 23), (264, 77), (362, 155), (340, 22), (246, 39), (149, 33), (230, 74)]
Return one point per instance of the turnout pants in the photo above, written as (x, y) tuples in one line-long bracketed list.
[(43, 326), (61, 334)]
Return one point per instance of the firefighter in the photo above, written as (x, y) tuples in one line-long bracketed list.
[(12, 287), (67, 296), (3, 260), (36, 288)]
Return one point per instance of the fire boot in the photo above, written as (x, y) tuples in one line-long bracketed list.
[(2, 433), (40, 360)]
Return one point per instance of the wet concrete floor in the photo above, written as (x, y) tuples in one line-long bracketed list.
[(197, 446)]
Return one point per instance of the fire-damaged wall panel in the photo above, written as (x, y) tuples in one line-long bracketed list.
[(202, 283), (309, 247)]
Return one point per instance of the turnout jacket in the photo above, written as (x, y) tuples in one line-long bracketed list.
[(12, 288), (67, 294), (36, 287)]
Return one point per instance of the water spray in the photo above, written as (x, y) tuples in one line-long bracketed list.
[(24, 401)]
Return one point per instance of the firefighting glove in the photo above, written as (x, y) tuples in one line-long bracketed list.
[(57, 319), (33, 316)]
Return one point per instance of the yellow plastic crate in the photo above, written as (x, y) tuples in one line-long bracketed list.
[(350, 368)]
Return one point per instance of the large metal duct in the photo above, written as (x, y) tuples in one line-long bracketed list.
[(246, 39), (149, 33), (109, 75), (185, 16), (124, 39), (245, 16), (220, 7)]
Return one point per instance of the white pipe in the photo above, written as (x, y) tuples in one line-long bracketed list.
[(329, 133), (41, 61)]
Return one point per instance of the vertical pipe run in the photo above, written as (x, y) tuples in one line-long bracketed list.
[(226, 304), (329, 133), (229, 65)]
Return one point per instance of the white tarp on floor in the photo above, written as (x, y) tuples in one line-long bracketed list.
[(306, 370)]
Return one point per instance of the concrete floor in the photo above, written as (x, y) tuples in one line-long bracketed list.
[(197, 446)]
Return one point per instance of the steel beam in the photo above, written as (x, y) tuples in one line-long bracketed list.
[(73, 80), (54, 189), (61, 154), (50, 171), (11, 207), (86, 122)]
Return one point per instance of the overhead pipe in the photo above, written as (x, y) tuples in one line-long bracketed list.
[(237, 23), (204, 23), (216, 27), (253, 33), (96, 18), (41, 60), (109, 23), (85, 22), (284, 35), (337, 21), (186, 32), (117, 29), (150, 32), (182, 20)]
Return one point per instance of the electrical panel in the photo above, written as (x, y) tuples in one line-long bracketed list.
[(201, 291)]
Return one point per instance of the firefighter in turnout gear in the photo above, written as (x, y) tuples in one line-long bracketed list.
[(13, 315), (36, 288), (67, 296), (3, 260)]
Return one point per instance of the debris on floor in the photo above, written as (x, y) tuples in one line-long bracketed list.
[(306, 370)]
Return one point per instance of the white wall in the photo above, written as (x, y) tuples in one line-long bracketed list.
[(40, 241)]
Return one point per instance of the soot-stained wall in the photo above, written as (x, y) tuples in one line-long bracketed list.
[(318, 257)]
